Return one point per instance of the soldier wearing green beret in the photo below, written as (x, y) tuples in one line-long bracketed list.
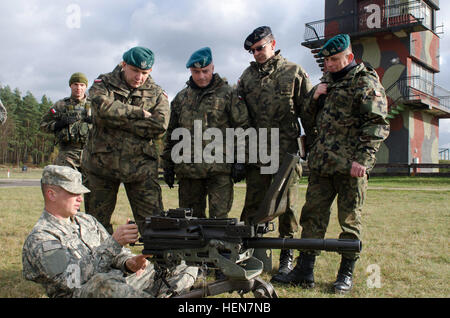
[(70, 120), (345, 123), (273, 89), (130, 113), (210, 101)]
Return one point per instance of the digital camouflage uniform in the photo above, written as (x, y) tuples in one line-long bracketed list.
[(274, 93), (122, 146), (71, 139), (216, 106), (79, 258), (348, 125)]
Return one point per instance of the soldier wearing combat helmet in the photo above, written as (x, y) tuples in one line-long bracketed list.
[(273, 89), (130, 112), (70, 120), (345, 123), (209, 101)]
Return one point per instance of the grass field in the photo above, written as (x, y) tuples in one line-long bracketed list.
[(405, 239)]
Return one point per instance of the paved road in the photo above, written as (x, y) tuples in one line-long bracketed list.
[(9, 183)]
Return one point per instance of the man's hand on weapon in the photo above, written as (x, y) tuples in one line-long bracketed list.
[(137, 264), (169, 177), (64, 122), (126, 234), (238, 172)]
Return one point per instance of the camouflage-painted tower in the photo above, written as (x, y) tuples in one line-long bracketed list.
[(398, 38)]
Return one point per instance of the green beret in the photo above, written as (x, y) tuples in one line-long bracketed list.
[(200, 59), (257, 35), (140, 57), (335, 45), (78, 78)]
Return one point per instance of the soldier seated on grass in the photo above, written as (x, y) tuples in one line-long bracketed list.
[(72, 255)]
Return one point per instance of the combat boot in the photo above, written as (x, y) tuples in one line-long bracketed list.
[(286, 258), (302, 274), (344, 280)]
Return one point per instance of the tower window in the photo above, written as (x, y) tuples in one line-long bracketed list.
[(422, 79)]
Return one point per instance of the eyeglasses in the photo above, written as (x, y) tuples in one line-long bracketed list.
[(259, 48)]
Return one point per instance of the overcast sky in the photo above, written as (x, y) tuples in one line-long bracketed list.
[(44, 42)]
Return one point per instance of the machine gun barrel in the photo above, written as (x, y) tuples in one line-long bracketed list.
[(331, 245)]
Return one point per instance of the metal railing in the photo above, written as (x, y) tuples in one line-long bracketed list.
[(444, 154), (410, 87), (405, 169), (316, 30), (412, 169), (412, 12)]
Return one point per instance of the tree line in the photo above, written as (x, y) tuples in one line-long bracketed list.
[(21, 141)]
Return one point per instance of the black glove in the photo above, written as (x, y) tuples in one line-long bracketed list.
[(88, 119), (238, 172), (169, 177), (64, 122)]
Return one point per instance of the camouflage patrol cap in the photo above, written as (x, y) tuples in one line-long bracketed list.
[(200, 58), (64, 177), (335, 45), (257, 35), (139, 57)]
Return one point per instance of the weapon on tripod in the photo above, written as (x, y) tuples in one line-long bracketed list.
[(228, 244)]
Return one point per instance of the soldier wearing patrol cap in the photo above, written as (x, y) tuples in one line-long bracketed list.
[(72, 255), (70, 120), (130, 112), (345, 123), (273, 89), (210, 101)]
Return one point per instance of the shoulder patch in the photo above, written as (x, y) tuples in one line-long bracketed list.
[(98, 80), (165, 94), (55, 262), (51, 245)]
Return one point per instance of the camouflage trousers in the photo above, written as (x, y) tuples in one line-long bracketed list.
[(321, 192), (143, 194), (192, 194), (257, 187), (114, 285), (69, 157)]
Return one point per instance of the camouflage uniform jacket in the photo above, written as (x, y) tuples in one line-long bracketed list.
[(75, 135), (121, 138), (216, 106), (350, 125), (274, 93), (63, 255)]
